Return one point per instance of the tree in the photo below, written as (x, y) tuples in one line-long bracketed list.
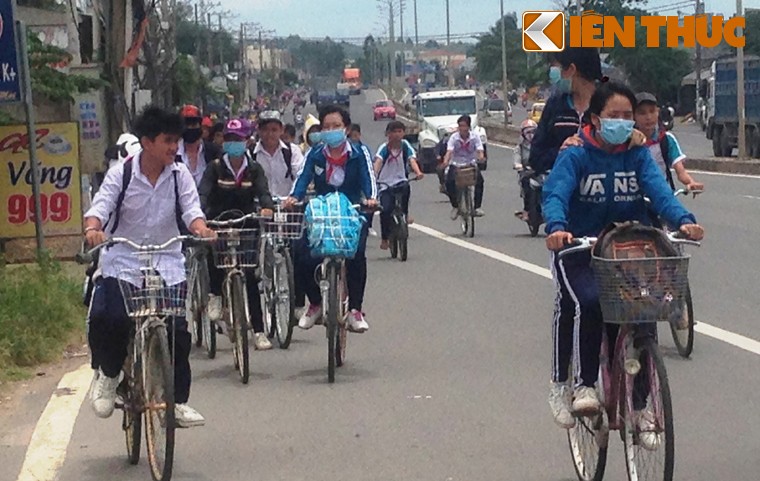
[(488, 53), (752, 32), (432, 44), (320, 58)]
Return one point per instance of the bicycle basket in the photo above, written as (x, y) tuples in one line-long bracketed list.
[(466, 177), (334, 226), (236, 248), (153, 298), (285, 225), (639, 290)]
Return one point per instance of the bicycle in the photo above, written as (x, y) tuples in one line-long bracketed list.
[(465, 180), (235, 250), (202, 330), (277, 275), (399, 234), (634, 293), (147, 388)]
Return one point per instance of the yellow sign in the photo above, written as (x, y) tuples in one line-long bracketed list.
[(544, 31), (60, 192)]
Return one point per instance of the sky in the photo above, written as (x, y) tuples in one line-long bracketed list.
[(357, 18)]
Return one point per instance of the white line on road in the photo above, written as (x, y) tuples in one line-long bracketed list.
[(742, 342), (751, 197), (47, 448)]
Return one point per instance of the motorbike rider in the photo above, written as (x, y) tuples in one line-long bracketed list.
[(521, 154)]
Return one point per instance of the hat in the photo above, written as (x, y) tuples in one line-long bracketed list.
[(239, 127), (268, 116), (643, 97), (207, 122), (190, 112)]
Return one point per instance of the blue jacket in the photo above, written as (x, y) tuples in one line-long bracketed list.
[(589, 188), (359, 179), (559, 120)]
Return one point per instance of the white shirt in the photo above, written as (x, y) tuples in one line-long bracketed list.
[(464, 151), (393, 170), (148, 217), (200, 166), (276, 169)]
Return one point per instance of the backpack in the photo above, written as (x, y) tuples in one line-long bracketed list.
[(404, 154), (666, 158), (287, 153)]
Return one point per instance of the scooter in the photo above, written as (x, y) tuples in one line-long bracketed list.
[(536, 181)]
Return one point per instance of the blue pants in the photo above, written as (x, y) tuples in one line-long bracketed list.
[(109, 331)]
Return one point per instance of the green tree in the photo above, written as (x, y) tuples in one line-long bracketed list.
[(488, 53), (752, 32), (320, 58)]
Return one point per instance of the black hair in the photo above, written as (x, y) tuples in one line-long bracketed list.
[(335, 109), (218, 127), (586, 60), (606, 91), (395, 125), (154, 121), (290, 129), (356, 128), (466, 119)]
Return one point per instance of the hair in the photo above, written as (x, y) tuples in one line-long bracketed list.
[(335, 109), (356, 128), (586, 61), (606, 91), (395, 125), (154, 121), (290, 129), (466, 119), (218, 127)]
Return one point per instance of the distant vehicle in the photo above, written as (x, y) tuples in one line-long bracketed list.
[(384, 109), (343, 97), (353, 77), (326, 97), (495, 108), (536, 111)]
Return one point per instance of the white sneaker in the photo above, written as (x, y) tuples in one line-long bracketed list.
[(649, 439), (454, 213), (187, 417), (310, 317), (91, 392), (261, 342), (214, 308), (104, 395), (356, 321), (479, 212), (586, 401), (559, 402), (372, 232)]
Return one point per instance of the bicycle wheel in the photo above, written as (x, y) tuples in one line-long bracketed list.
[(131, 421), (470, 232), (209, 335), (652, 461), (268, 290), (393, 241), (285, 303), (684, 338), (534, 216), (158, 386), (333, 312), (403, 237), (239, 314), (342, 340), (588, 445)]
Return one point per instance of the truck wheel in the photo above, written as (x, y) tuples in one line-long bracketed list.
[(725, 143), (716, 141)]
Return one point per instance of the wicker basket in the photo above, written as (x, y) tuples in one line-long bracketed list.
[(466, 177)]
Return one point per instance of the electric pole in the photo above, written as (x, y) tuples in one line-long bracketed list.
[(416, 32), (504, 62), (448, 46), (698, 66), (208, 40), (740, 89), (221, 45), (401, 20)]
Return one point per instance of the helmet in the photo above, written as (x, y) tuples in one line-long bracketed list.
[(527, 129), (190, 112), (207, 122), (126, 146)]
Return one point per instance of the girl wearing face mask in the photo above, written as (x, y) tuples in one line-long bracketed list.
[(591, 186)]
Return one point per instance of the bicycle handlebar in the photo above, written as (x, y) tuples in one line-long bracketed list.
[(239, 220), (410, 179), (587, 243), (86, 256)]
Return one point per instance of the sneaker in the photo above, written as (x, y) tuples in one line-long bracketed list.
[(261, 342), (104, 395), (214, 309), (356, 321), (95, 376), (310, 317), (187, 417), (559, 402), (479, 212), (384, 245), (648, 438), (372, 232), (454, 213), (586, 401)]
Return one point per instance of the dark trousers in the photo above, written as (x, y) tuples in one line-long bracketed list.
[(356, 271), (108, 336), (388, 201), (216, 279), (451, 188)]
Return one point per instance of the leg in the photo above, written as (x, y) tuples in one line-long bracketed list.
[(181, 341), (451, 188), (479, 187), (356, 274), (386, 201), (305, 268), (254, 300), (299, 294), (109, 327), (407, 193), (215, 277), (525, 185), (562, 332)]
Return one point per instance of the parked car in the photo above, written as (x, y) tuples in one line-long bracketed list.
[(536, 111), (384, 109)]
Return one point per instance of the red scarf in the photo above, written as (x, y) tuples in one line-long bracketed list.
[(333, 162)]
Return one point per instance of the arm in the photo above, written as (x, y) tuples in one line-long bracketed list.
[(678, 156), (206, 187), (369, 187), (378, 165), (542, 149), (412, 156), (449, 151), (558, 190), (189, 201), (261, 187), (103, 206), (657, 189), (303, 181), (480, 149), (297, 160)]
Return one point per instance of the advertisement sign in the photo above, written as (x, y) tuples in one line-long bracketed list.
[(60, 189), (10, 81)]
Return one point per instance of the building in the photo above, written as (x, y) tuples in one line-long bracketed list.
[(275, 58)]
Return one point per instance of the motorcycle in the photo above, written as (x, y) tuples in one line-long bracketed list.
[(667, 118), (535, 182), (299, 121)]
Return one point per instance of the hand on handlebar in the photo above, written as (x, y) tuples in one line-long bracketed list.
[(206, 233), (693, 231), (696, 188), (419, 176), (558, 240), (95, 237), (289, 203), (267, 213), (371, 203)]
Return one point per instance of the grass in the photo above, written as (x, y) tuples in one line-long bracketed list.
[(41, 313)]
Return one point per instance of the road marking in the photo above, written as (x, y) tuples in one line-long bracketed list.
[(751, 197), (47, 448), (742, 342), (726, 174)]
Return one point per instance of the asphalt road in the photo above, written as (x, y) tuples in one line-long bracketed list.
[(450, 382)]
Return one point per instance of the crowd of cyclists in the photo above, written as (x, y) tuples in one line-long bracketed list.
[(602, 145)]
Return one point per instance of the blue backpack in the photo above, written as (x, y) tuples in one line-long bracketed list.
[(335, 227)]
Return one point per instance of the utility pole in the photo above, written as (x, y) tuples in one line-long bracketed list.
[(698, 64), (208, 40), (578, 7), (243, 72), (416, 32), (448, 46), (261, 52), (221, 45), (391, 42), (740, 89), (504, 62)]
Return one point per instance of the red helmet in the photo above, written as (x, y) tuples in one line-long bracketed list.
[(190, 112)]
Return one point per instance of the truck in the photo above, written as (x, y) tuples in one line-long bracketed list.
[(721, 110), (353, 77), (437, 116)]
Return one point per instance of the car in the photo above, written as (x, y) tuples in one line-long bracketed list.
[(384, 109), (495, 108), (536, 110)]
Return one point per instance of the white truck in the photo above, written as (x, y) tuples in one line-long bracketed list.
[(438, 113)]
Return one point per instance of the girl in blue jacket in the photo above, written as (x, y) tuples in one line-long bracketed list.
[(591, 186)]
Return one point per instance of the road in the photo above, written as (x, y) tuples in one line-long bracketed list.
[(450, 382)]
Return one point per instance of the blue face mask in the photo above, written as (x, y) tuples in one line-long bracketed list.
[(315, 137), (616, 131), (554, 74), (333, 138), (234, 149)]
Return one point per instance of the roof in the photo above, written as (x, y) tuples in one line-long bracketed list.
[(446, 94)]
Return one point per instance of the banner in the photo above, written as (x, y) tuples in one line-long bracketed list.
[(60, 181)]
